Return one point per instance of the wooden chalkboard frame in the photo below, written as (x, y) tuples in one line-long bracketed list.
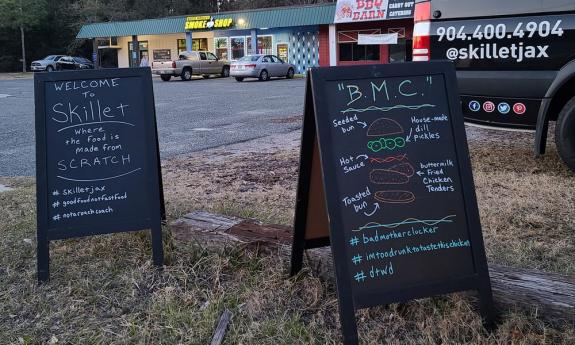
[(153, 168), (319, 131)]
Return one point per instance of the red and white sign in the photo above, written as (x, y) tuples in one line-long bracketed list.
[(519, 108), (352, 11), (489, 107)]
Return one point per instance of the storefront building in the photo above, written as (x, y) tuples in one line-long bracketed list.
[(349, 32), (368, 32), (291, 33)]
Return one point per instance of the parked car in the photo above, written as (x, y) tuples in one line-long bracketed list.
[(262, 67), (83, 63), (47, 64), (515, 62), (73, 63), (191, 63)]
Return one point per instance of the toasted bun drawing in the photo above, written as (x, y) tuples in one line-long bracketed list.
[(395, 196), (403, 168), (385, 176), (384, 126)]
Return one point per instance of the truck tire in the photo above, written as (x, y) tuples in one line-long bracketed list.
[(225, 72), (186, 74), (239, 78), (166, 77), (565, 134), (49, 69)]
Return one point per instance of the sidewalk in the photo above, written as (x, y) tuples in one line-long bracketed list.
[(16, 75)]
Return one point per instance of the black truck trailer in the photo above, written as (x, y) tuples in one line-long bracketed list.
[(515, 62)]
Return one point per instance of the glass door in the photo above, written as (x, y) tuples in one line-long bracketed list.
[(282, 51)]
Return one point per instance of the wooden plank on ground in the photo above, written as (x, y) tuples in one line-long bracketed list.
[(220, 331), (548, 296)]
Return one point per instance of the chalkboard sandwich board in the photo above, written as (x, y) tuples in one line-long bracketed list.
[(97, 158), (385, 179)]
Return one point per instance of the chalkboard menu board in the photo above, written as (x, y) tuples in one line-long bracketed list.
[(398, 195), (97, 157)]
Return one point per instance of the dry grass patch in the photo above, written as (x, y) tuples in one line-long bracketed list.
[(105, 291)]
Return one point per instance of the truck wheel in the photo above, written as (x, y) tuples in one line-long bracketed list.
[(186, 74), (49, 69), (239, 78), (264, 76), (565, 134), (225, 72), (166, 77)]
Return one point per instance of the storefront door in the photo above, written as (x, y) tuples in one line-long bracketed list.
[(134, 59), (282, 51)]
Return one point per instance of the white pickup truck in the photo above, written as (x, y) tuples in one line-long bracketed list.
[(191, 63)]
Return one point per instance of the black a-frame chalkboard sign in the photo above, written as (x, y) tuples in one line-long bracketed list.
[(97, 157), (385, 178)]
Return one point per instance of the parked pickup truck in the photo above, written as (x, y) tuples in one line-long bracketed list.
[(515, 62), (191, 63)]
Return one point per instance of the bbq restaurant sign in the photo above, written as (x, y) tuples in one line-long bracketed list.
[(352, 11), (208, 23)]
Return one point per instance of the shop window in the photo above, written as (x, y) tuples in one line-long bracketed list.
[(282, 51), (401, 51), (238, 47), (356, 52), (221, 44), (135, 60), (197, 44), (349, 50), (264, 45), (181, 46)]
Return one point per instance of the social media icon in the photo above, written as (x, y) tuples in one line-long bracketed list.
[(504, 108), (474, 106), (519, 108), (489, 106)]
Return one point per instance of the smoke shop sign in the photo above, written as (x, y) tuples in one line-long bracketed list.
[(351, 11), (207, 23)]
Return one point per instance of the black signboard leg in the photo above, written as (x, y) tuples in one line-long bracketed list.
[(43, 257), (486, 306), (297, 250), (157, 247), (348, 323), (305, 166)]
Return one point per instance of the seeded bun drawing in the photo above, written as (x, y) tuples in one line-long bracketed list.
[(385, 176), (383, 127), (395, 196)]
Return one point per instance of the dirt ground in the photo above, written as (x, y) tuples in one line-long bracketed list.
[(527, 204), (104, 290)]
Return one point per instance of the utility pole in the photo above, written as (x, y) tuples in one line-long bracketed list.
[(22, 38)]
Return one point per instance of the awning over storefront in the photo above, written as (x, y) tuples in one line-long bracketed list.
[(257, 19)]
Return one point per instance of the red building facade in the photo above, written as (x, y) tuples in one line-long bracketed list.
[(341, 48)]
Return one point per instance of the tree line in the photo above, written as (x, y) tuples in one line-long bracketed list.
[(32, 29)]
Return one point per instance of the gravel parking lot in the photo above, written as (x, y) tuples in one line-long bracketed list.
[(192, 116)]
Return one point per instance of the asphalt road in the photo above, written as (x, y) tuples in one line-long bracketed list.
[(192, 116)]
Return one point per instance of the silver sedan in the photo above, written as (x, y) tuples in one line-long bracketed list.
[(262, 67)]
